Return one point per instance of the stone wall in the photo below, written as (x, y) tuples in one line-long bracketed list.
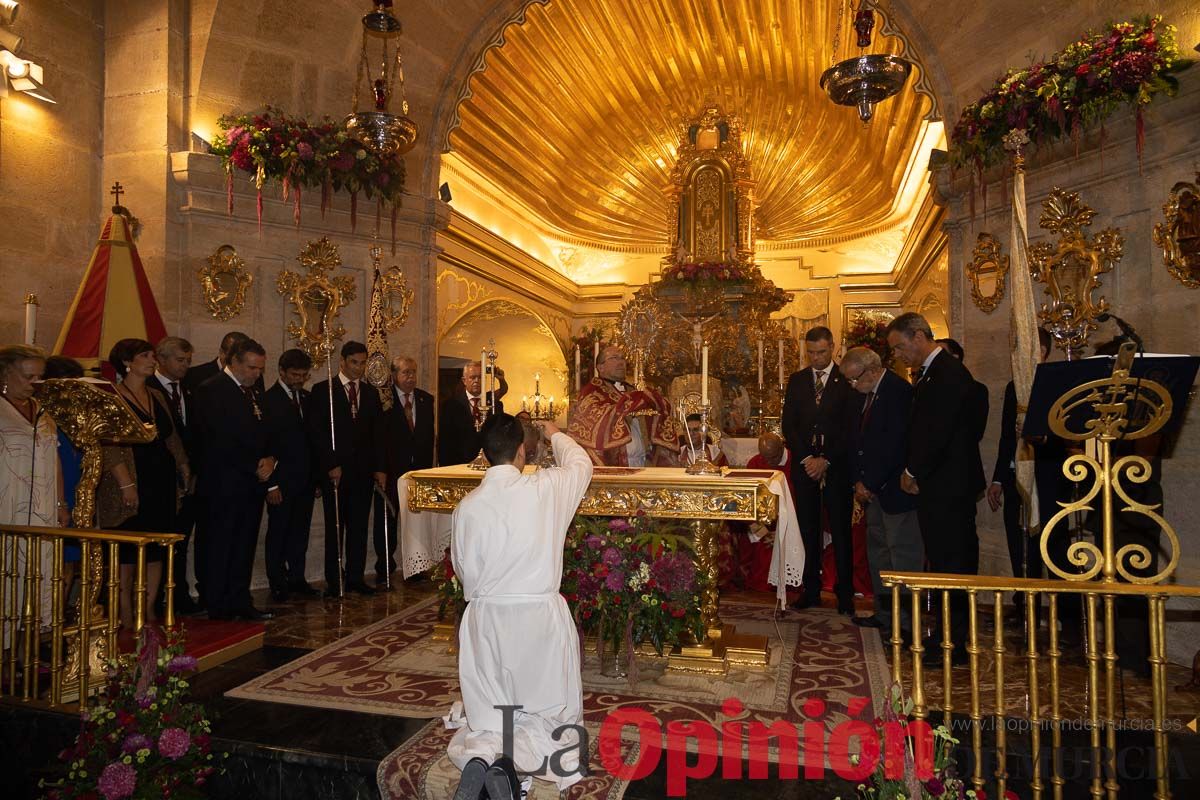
[(1127, 196)]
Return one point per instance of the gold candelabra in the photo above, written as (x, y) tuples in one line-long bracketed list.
[(487, 363)]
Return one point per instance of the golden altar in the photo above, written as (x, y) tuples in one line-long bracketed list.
[(705, 501)]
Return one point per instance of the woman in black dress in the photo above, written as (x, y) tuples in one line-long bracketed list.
[(150, 490)]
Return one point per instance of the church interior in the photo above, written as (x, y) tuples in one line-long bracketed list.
[(521, 185)]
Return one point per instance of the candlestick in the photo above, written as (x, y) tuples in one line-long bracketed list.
[(704, 376), (781, 376), (31, 304), (578, 377), (596, 357), (760, 365)]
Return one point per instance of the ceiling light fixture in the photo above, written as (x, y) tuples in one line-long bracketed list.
[(865, 80), (382, 132)]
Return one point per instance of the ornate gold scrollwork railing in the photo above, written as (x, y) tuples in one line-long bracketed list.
[(85, 632), (1120, 407)]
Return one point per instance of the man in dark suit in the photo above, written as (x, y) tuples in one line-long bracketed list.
[(943, 468), (237, 469), (980, 402), (458, 440), (174, 357), (201, 372), (878, 452), (817, 413), (347, 473), (1049, 453), (404, 444), (290, 506)]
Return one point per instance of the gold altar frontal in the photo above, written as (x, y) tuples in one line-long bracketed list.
[(704, 501)]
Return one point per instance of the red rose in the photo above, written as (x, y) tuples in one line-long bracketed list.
[(1082, 70)]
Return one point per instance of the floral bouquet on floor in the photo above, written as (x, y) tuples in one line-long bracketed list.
[(633, 580), (915, 760), (449, 589), (142, 739)]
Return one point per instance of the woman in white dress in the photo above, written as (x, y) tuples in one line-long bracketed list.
[(30, 477)]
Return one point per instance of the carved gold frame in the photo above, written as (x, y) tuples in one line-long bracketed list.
[(316, 298), (986, 258), (1179, 236), (1071, 269), (224, 301)]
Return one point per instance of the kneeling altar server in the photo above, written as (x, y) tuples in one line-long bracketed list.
[(518, 661)]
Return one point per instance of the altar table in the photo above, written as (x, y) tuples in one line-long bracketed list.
[(429, 496)]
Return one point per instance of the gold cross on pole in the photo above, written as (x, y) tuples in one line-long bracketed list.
[(116, 191)]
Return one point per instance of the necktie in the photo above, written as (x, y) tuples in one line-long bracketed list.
[(352, 391), (819, 386), (296, 403), (866, 412), (249, 392), (176, 399), (408, 411), (475, 412)]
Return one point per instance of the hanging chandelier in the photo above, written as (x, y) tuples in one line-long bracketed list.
[(380, 131), (866, 79)]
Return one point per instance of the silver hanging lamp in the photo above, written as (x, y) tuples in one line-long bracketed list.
[(867, 79)]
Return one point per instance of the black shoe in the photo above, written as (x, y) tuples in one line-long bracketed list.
[(846, 609), (358, 587), (867, 622), (220, 616), (501, 780), (804, 602), (303, 589), (279, 595), (471, 785), (187, 607), (252, 614)]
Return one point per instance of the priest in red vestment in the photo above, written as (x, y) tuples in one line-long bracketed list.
[(620, 426)]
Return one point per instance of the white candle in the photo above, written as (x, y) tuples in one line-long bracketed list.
[(781, 362), (484, 383), (31, 305), (760, 364), (578, 377), (704, 376), (596, 356)]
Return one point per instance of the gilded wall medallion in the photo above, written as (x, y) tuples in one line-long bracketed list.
[(986, 273), (1179, 236), (224, 283), (1071, 269), (317, 298)]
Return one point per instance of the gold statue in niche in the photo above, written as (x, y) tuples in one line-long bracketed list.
[(712, 193)]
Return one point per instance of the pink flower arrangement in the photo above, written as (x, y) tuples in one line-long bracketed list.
[(142, 739), (1129, 63)]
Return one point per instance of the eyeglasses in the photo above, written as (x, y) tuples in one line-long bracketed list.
[(853, 381)]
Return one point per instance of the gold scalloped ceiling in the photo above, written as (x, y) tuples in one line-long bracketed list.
[(576, 116)]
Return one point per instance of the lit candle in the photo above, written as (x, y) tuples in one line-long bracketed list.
[(524, 403), (781, 362), (704, 376), (760, 364), (578, 377), (31, 304), (596, 356)]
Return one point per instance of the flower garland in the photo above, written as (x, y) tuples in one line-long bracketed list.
[(142, 740), (1127, 63), (707, 272), (271, 146)]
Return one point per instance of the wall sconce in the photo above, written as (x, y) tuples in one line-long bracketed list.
[(25, 76)]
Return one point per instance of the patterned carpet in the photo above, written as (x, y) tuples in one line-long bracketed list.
[(392, 667)]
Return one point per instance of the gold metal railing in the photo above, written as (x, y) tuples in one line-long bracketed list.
[(80, 639), (1099, 652), (1106, 415)]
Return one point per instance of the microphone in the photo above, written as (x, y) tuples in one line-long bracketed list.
[(1126, 329)]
